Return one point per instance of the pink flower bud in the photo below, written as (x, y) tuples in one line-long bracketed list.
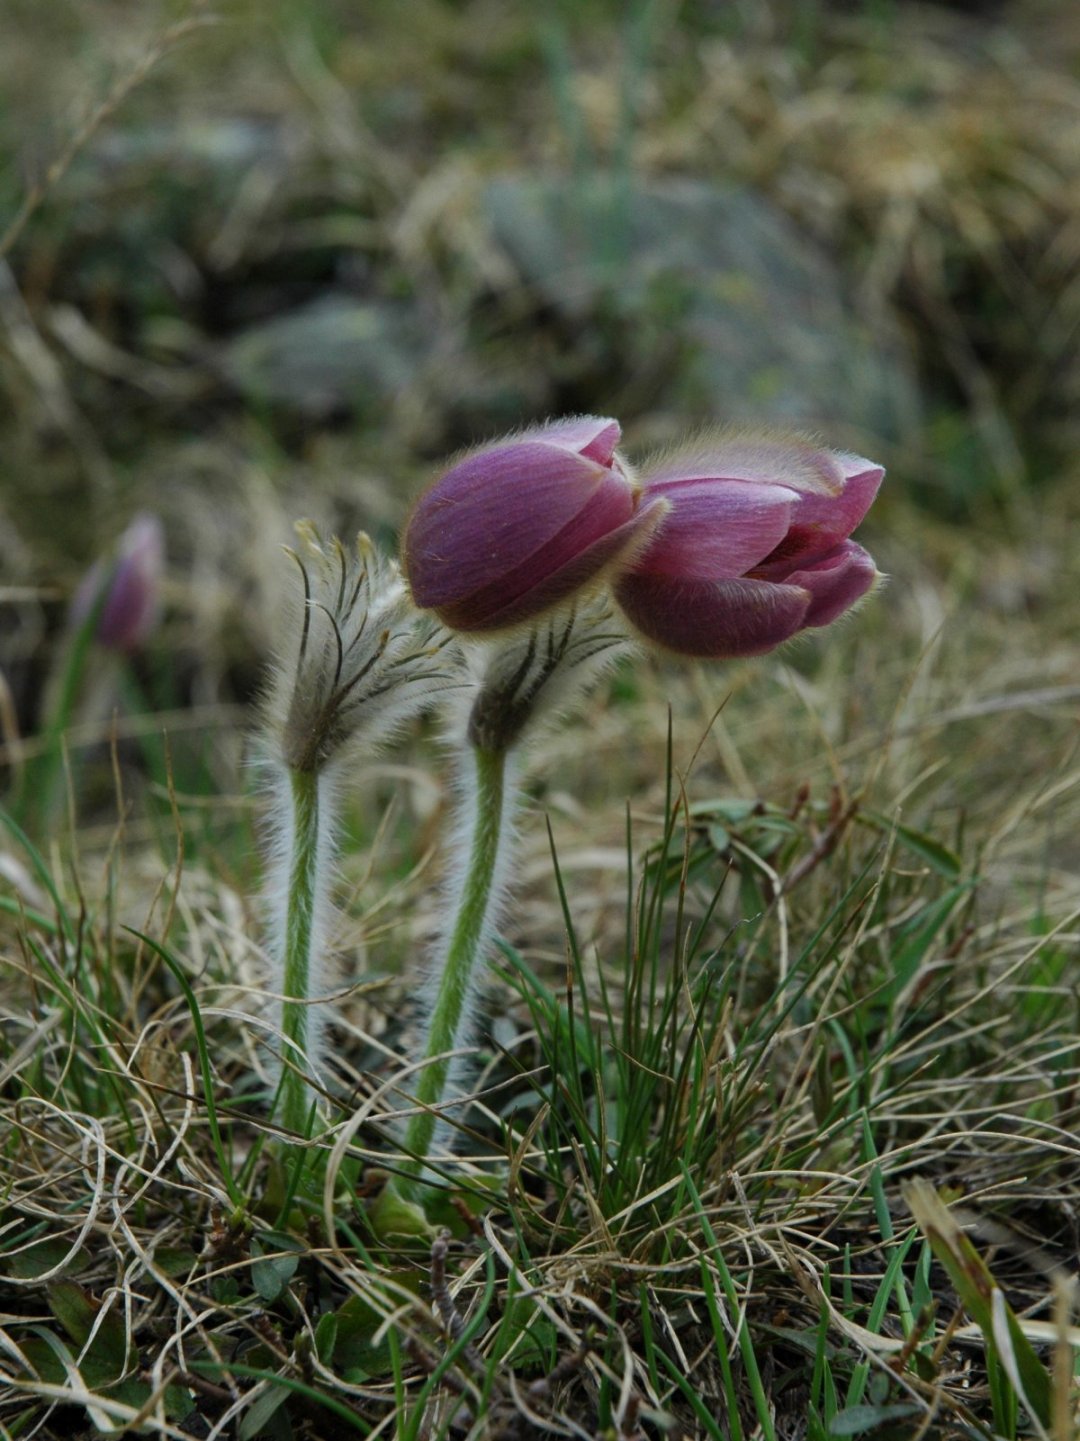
[(132, 580), (517, 527), (753, 548)]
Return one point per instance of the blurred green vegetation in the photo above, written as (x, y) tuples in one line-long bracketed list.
[(364, 238)]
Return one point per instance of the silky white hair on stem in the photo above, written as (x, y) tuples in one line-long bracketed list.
[(362, 662)]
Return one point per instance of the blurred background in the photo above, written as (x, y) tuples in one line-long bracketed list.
[(278, 259)]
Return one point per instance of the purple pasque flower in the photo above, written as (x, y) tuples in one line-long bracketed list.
[(513, 529), (753, 547), (131, 580)]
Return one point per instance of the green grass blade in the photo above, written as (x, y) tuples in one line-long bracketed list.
[(225, 1166)]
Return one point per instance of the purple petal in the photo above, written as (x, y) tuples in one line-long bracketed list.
[(593, 436), (855, 465), (835, 582), (820, 523), (484, 518), (132, 604), (713, 621), (596, 536), (716, 529), (565, 566), (756, 459)]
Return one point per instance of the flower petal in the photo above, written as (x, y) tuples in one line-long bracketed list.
[(593, 436), (716, 529), (547, 578), (132, 605), (726, 618), (758, 458), (487, 515), (835, 582), (819, 523)]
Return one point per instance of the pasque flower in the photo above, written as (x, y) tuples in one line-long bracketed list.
[(115, 607), (752, 548), (517, 527), (127, 589)]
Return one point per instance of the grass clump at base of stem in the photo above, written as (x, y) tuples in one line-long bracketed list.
[(675, 1198)]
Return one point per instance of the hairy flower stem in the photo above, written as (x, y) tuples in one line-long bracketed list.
[(295, 1099), (517, 683), (357, 661), (449, 1021)]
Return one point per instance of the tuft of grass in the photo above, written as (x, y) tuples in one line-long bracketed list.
[(677, 1194)]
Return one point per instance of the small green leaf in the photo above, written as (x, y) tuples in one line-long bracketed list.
[(270, 1274), (74, 1308), (174, 1260), (854, 1420), (443, 1208), (42, 1256), (391, 1214), (731, 808), (132, 1392), (225, 1289), (179, 1402), (808, 1341), (355, 1355), (260, 1414), (356, 1320), (326, 1334), (79, 1313), (43, 1358), (936, 855), (530, 1337)]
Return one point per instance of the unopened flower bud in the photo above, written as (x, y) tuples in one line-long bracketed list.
[(129, 608), (517, 527)]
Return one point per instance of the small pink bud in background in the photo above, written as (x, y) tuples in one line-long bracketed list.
[(517, 527), (753, 548), (132, 603)]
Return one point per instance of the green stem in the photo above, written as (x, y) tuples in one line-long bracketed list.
[(294, 1096), (39, 785), (463, 951)]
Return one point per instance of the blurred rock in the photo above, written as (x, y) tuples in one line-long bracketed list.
[(765, 329), (334, 354)]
